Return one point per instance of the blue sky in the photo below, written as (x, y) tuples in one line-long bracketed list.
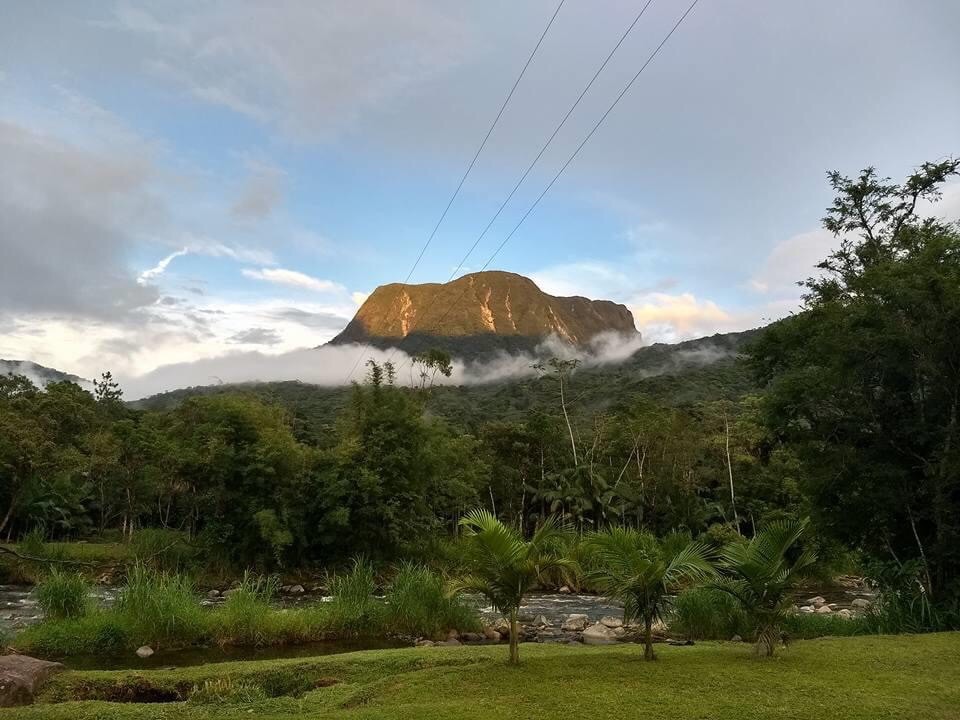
[(292, 156)]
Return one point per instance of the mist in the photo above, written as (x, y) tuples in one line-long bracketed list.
[(333, 365)]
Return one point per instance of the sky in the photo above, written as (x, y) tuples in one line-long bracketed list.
[(190, 184)]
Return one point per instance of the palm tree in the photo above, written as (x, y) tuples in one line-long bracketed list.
[(642, 572), (503, 567), (761, 572)]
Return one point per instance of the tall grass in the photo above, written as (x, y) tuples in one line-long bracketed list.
[(354, 610), (244, 616), (418, 604), (708, 614), (160, 608), (165, 550), (63, 595)]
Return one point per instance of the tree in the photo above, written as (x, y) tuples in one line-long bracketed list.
[(562, 369), (760, 574), (428, 364), (865, 382), (503, 567), (642, 572)]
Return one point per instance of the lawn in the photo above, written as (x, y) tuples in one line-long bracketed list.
[(849, 678)]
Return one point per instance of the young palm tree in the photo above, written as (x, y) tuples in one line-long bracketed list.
[(503, 567), (642, 572), (760, 574)]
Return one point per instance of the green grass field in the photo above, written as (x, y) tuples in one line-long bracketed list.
[(849, 678)]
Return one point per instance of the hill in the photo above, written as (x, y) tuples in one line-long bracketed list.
[(39, 375), (477, 314)]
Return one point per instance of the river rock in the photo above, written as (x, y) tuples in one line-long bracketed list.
[(541, 621), (424, 643), (824, 610), (491, 633), (575, 623), (471, 637), (807, 609), (213, 594), (565, 590), (817, 601), (144, 651), (453, 635), (599, 634), (450, 641), (296, 590), (231, 591), (611, 622), (844, 613), (736, 638), (22, 676), (861, 603)]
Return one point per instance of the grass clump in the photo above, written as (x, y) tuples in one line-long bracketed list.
[(63, 595), (244, 619), (705, 613), (161, 609), (354, 609), (417, 604), (164, 550), (225, 691)]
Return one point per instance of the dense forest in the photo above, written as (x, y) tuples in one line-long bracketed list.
[(845, 412)]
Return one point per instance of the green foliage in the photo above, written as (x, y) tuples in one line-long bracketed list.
[(705, 613), (642, 572), (354, 608), (761, 572), (419, 604), (243, 617), (163, 550), (225, 691), (160, 609), (62, 595)]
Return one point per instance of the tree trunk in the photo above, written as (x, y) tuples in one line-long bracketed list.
[(733, 497), (6, 518), (514, 638), (648, 653), (563, 406)]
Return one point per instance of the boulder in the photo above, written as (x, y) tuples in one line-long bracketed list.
[(611, 622), (817, 601), (824, 610), (231, 591), (424, 643), (502, 627), (22, 676), (565, 590), (296, 590), (736, 638), (844, 613), (453, 635), (144, 651), (599, 634), (450, 641), (471, 637), (807, 609), (541, 621), (861, 603), (575, 623), (213, 594), (491, 633)]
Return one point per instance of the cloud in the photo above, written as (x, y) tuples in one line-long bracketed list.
[(256, 336), (791, 261), (147, 275), (309, 69), (359, 297), (670, 318), (262, 192), (292, 278)]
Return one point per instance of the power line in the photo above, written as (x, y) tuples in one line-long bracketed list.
[(473, 162), (536, 159), (576, 152)]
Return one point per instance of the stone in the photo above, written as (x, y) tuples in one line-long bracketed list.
[(144, 651), (736, 638), (575, 623), (296, 590), (424, 643), (807, 609), (22, 676), (844, 613), (231, 591), (599, 634), (611, 622), (619, 632), (817, 601), (450, 641), (541, 621), (472, 637), (861, 603), (213, 594), (824, 610), (491, 633), (565, 590), (453, 635)]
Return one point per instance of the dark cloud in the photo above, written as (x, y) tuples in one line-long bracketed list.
[(256, 336)]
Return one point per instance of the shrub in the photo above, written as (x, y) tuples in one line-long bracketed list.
[(63, 595), (160, 608), (708, 614), (44, 556), (165, 550), (418, 605)]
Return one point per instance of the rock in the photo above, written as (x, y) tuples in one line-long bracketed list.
[(611, 622), (296, 590), (807, 609), (599, 634), (453, 635), (817, 601), (680, 643), (471, 637), (450, 641), (861, 603), (213, 594), (491, 633), (541, 621), (619, 632), (565, 590), (575, 623), (22, 676), (144, 651), (844, 613), (229, 592), (736, 638), (824, 610), (424, 643)]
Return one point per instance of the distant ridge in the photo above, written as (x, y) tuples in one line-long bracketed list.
[(40, 375), (479, 313)]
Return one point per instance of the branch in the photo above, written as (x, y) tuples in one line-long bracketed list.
[(31, 558)]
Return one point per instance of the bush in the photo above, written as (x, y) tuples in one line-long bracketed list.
[(418, 605), (160, 608), (63, 595), (164, 550), (708, 614), (45, 556), (811, 625)]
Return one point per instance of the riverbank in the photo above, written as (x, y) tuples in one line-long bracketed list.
[(853, 678)]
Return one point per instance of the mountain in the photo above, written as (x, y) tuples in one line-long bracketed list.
[(39, 375), (477, 314)]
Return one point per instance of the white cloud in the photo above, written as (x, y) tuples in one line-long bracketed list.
[(293, 278), (359, 297), (791, 261), (661, 317), (147, 275)]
